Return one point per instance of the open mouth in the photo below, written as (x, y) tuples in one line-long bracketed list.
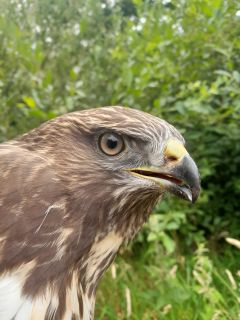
[(166, 181), (158, 175)]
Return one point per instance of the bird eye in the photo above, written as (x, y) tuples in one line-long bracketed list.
[(111, 144)]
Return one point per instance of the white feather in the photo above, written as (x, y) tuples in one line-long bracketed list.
[(11, 299), (24, 313)]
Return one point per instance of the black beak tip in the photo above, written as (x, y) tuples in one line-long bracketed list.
[(195, 194), (191, 176)]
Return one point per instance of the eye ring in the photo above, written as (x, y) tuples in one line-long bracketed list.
[(111, 143)]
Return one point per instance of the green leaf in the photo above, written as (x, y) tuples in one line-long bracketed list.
[(29, 102)]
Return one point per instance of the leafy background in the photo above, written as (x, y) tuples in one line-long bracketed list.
[(178, 60)]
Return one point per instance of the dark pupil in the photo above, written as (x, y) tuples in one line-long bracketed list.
[(112, 142)]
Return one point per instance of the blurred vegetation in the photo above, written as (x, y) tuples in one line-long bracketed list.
[(178, 60)]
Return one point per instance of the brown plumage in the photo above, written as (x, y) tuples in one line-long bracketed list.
[(71, 192)]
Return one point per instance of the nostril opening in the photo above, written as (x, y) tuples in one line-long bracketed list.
[(172, 158)]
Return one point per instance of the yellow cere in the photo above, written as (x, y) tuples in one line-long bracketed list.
[(175, 149)]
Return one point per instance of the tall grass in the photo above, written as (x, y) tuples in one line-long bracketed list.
[(142, 286)]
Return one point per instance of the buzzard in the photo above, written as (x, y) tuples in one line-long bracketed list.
[(71, 192)]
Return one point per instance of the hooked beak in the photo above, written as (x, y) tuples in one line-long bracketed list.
[(179, 176)]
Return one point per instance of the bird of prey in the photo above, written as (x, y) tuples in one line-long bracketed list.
[(71, 192)]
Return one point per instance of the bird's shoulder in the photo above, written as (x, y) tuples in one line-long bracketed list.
[(31, 210)]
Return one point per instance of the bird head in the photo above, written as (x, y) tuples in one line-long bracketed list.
[(130, 149)]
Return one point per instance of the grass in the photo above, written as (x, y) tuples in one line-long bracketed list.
[(145, 284)]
